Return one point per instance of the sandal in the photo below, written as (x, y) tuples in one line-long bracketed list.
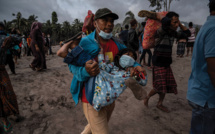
[(33, 68), (163, 108), (7, 128)]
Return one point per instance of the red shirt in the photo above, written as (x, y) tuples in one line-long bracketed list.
[(110, 49)]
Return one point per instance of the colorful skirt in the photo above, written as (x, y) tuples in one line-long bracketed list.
[(8, 101), (181, 48), (163, 80)]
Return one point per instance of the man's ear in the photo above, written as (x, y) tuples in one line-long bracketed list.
[(94, 23)]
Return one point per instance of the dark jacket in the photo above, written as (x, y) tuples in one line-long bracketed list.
[(164, 40), (133, 41)]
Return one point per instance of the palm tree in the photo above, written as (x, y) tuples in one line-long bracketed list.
[(47, 27), (159, 4), (20, 23), (17, 21), (77, 25), (31, 19), (66, 30), (130, 16), (58, 32), (8, 25)]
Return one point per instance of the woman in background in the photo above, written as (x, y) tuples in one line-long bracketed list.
[(37, 47)]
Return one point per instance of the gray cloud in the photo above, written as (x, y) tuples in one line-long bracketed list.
[(189, 10)]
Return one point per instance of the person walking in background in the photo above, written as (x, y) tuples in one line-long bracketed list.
[(163, 79), (133, 41), (201, 84), (9, 58), (46, 43), (182, 42), (140, 37), (24, 45), (29, 46), (49, 44), (8, 101), (37, 47), (142, 57), (13, 52), (123, 35), (16, 52), (191, 39)]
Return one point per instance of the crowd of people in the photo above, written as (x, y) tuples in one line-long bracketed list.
[(104, 66)]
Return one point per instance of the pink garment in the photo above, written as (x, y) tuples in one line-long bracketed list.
[(150, 28), (88, 27), (36, 33), (192, 37)]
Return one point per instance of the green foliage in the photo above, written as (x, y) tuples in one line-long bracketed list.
[(47, 27), (130, 15), (57, 31), (54, 17), (161, 4), (117, 28), (8, 25)]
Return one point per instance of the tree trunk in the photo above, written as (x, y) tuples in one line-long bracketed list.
[(166, 5), (169, 4)]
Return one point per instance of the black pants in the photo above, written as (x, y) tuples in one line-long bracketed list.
[(143, 56), (10, 62), (50, 49), (29, 51)]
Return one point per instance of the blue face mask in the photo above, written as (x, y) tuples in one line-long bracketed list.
[(104, 35), (126, 61)]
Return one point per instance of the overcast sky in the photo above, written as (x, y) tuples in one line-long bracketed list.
[(189, 10)]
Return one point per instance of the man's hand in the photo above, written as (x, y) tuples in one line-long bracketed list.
[(63, 51), (37, 48), (92, 68), (101, 50), (182, 26), (132, 71), (7, 42), (211, 69)]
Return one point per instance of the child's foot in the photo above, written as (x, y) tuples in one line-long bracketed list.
[(138, 90)]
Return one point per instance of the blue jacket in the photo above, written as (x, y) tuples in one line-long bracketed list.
[(80, 75)]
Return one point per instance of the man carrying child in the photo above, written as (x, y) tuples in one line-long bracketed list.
[(100, 38)]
